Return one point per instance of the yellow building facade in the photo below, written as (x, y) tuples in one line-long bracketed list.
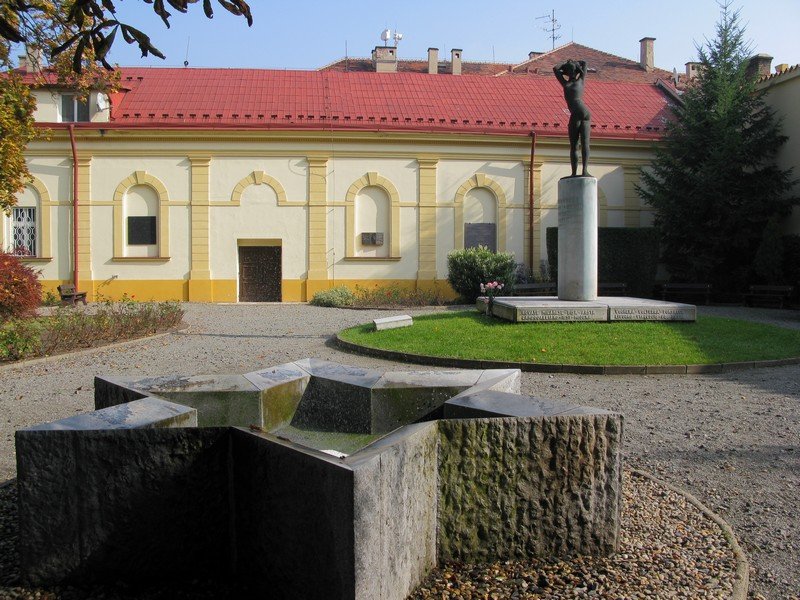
[(192, 213)]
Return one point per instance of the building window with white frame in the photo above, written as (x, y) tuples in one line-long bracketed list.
[(23, 231), (73, 109)]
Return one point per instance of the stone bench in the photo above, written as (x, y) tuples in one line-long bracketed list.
[(393, 322), (684, 290)]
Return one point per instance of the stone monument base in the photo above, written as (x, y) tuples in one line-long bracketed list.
[(519, 309)]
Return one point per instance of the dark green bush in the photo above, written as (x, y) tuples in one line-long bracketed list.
[(470, 267), (625, 255), (791, 259)]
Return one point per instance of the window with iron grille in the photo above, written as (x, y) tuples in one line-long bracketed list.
[(23, 231), (73, 109)]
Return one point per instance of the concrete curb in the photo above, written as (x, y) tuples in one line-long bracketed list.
[(741, 580), (44, 359), (471, 363)]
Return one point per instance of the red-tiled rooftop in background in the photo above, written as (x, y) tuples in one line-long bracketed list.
[(268, 99), (364, 65), (603, 66)]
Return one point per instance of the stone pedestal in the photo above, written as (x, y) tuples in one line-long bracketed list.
[(577, 238)]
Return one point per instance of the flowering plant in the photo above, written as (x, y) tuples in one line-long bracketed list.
[(491, 290)]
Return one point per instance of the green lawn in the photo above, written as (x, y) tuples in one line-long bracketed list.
[(470, 334)]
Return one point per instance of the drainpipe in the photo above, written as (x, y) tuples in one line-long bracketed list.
[(530, 199), (71, 129)]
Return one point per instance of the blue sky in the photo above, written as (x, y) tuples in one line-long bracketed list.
[(307, 35)]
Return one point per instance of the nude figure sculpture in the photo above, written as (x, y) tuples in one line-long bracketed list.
[(572, 76)]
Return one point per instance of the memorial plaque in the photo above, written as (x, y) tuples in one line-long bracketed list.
[(555, 313), (652, 313)]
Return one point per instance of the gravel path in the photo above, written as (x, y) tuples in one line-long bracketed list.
[(733, 440)]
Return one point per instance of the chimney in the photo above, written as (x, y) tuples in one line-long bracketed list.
[(433, 61), (455, 54), (781, 67), (532, 55), (692, 70), (646, 53), (759, 66), (31, 61), (384, 59)]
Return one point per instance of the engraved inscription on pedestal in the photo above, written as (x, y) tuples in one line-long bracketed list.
[(652, 313), (552, 313)]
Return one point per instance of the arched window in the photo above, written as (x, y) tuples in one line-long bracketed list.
[(141, 218), (372, 218), (372, 226), (140, 207), (480, 198), (26, 231)]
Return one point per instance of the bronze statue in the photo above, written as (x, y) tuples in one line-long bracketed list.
[(572, 76)]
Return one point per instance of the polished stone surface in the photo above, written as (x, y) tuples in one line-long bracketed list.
[(520, 309)]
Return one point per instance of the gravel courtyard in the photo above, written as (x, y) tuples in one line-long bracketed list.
[(733, 440)]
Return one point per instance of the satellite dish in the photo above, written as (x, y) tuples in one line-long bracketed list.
[(386, 35), (397, 37), (102, 102)]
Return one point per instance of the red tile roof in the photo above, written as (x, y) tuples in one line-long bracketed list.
[(365, 65), (603, 66), (268, 99)]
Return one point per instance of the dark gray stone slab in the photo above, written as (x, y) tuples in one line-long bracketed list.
[(487, 404), (132, 504), (344, 373), (147, 412), (331, 405), (294, 519), (605, 308)]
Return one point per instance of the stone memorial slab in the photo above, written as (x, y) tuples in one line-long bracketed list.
[(640, 309), (392, 322), (605, 308)]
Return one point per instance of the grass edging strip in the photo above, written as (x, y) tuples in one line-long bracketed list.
[(741, 581), (26, 362), (471, 363)]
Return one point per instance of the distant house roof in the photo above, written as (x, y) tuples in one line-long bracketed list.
[(783, 74), (169, 98), (365, 65), (602, 65)]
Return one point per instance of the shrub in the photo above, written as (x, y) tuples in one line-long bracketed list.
[(20, 338), (71, 328), (20, 290), (624, 255), (396, 295), (334, 297), (470, 267)]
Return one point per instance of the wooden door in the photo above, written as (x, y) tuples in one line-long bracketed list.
[(259, 273)]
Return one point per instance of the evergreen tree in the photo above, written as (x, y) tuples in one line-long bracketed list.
[(714, 183)]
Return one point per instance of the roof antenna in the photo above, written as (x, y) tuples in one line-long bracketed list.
[(186, 60), (551, 27)]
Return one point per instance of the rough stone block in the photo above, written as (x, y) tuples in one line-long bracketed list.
[(395, 512), (511, 488)]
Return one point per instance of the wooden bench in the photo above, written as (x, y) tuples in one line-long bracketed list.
[(69, 296), (612, 289), (535, 289), (767, 295), (685, 290)]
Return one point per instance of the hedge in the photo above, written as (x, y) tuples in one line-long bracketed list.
[(625, 255)]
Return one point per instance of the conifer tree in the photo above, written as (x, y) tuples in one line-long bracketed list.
[(715, 183)]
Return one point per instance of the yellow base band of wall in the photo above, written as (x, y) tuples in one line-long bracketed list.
[(225, 290)]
